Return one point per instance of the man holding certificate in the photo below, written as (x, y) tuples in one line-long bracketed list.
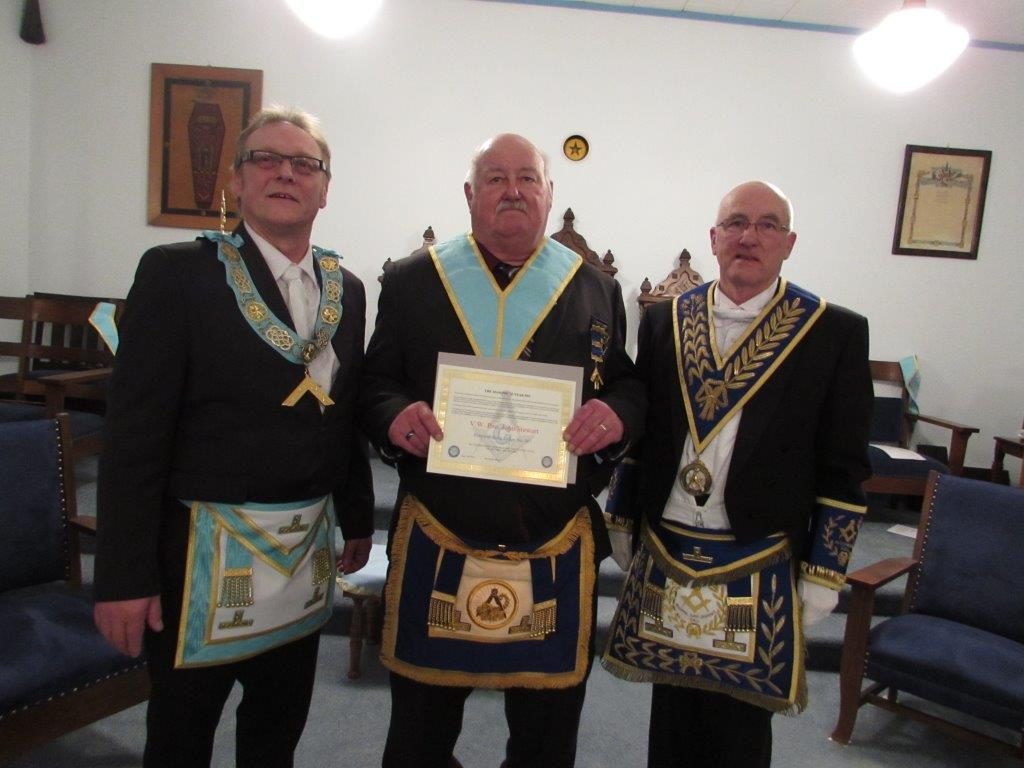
[(498, 382)]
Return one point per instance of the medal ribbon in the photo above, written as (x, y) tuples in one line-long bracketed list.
[(266, 324)]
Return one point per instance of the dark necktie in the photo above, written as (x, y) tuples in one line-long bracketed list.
[(503, 273)]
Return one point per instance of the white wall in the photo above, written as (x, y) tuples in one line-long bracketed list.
[(676, 113), (15, 127)]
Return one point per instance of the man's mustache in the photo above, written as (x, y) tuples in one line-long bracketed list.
[(513, 205)]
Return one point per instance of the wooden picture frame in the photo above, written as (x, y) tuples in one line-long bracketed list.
[(942, 201), (195, 115)]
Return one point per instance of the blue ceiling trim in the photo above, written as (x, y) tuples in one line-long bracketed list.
[(639, 10)]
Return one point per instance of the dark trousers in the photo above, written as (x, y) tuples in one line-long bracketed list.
[(426, 721), (185, 704), (702, 729)]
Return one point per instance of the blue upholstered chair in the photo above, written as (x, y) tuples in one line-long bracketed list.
[(892, 425), (57, 673), (960, 639)]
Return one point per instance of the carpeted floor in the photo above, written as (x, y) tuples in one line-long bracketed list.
[(348, 724), (348, 721)]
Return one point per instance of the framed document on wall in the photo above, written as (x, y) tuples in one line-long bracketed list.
[(942, 200), (195, 115)]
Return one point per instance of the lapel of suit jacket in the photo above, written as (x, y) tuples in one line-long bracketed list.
[(680, 427)]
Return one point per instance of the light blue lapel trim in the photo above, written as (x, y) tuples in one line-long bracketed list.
[(500, 323), (102, 319)]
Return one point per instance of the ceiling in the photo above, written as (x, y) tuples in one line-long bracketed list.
[(990, 23)]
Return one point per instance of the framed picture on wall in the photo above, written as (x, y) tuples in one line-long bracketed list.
[(195, 114), (942, 200)]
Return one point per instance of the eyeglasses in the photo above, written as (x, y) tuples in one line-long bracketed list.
[(269, 161), (764, 227)]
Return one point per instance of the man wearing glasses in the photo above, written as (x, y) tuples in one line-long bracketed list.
[(749, 497), (229, 433)]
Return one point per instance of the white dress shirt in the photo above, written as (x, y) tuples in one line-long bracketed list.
[(728, 323), (325, 366)]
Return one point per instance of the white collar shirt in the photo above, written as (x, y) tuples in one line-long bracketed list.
[(729, 322), (325, 366)]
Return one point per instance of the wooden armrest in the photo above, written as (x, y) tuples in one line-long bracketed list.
[(951, 425), (82, 377), (84, 523), (873, 576), (960, 434), (59, 386), (864, 583)]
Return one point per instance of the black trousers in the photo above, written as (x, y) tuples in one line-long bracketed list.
[(693, 728), (426, 721), (185, 704)]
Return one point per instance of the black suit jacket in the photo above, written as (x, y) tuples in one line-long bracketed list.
[(803, 435), (415, 321), (194, 412)]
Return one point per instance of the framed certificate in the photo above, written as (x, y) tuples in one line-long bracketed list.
[(504, 419), (942, 201)]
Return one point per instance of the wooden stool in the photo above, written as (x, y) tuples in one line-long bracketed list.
[(364, 588)]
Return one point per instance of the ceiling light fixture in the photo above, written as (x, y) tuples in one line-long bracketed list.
[(911, 47), (335, 18)]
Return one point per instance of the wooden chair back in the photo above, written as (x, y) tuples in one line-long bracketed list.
[(573, 240), (59, 333), (55, 337), (891, 420), (678, 281)]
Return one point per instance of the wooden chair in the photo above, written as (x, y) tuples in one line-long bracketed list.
[(678, 281), (62, 365), (892, 425), (57, 673), (56, 338), (959, 641), (570, 238), (1007, 446)]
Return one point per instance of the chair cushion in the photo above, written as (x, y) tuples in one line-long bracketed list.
[(953, 664), (82, 423), (50, 646), (884, 465)]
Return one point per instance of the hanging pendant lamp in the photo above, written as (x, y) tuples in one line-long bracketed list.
[(335, 18), (911, 47)]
